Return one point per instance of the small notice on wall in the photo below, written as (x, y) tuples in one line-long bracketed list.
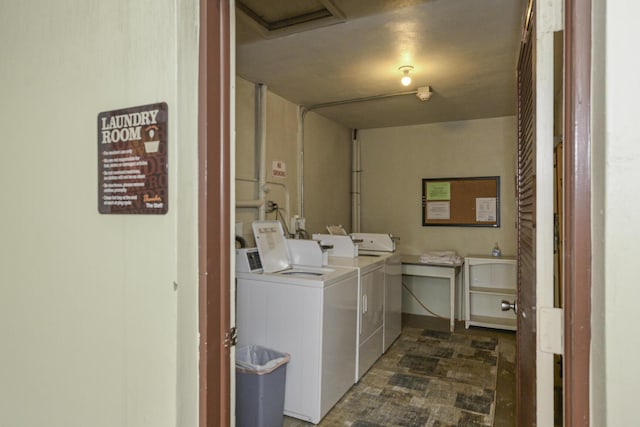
[(132, 160), (279, 169)]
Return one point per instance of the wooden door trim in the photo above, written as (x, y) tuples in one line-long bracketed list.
[(577, 201), (214, 211)]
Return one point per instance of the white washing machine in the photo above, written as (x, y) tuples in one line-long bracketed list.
[(308, 312)]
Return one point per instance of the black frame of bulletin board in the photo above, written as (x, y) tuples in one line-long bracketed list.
[(454, 202)]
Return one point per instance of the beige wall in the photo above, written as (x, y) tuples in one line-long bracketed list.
[(326, 165), (394, 161), (281, 145), (617, 130), (246, 185), (327, 174), (90, 321), (186, 252), (282, 131)]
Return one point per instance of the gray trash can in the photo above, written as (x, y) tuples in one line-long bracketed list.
[(260, 382)]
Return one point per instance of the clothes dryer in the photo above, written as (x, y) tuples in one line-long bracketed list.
[(370, 333), (381, 245)]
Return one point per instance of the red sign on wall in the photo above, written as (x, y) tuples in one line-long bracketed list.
[(132, 160)]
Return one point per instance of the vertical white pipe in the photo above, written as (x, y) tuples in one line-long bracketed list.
[(355, 182), (261, 141), (301, 113)]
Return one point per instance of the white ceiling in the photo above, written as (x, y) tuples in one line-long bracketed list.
[(466, 50)]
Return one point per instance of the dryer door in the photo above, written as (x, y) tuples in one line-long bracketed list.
[(372, 302)]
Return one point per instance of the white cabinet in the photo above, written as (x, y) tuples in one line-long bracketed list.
[(487, 281)]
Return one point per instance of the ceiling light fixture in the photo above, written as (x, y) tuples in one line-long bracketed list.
[(405, 80)]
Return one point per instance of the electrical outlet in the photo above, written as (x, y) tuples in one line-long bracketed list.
[(271, 206)]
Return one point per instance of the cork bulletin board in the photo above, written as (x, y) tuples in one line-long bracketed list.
[(463, 202)]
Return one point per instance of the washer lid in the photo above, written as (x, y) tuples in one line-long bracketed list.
[(272, 245)]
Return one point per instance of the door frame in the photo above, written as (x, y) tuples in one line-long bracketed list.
[(577, 209), (214, 211)]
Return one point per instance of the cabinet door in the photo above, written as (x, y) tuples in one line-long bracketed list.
[(372, 304)]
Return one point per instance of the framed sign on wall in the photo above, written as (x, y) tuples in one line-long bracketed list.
[(463, 202), (132, 160)]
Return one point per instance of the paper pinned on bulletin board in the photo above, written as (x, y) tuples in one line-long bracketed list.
[(438, 210), (485, 209), (439, 191)]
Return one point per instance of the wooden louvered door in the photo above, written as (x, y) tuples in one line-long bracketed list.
[(526, 212)]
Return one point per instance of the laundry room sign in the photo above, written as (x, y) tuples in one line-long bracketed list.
[(132, 160)]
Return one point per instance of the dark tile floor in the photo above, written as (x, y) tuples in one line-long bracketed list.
[(505, 388), (505, 413)]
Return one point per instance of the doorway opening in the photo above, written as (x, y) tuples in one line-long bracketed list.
[(284, 189)]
